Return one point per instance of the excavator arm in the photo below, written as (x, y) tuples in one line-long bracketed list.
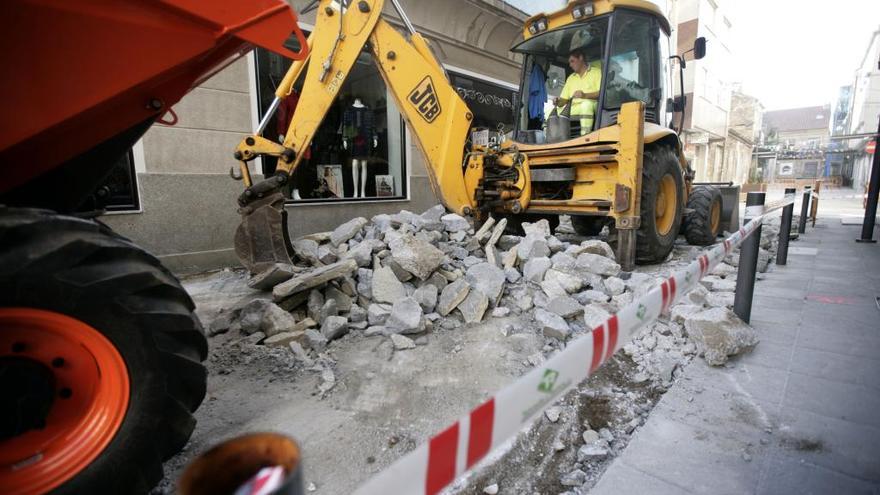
[(437, 116)]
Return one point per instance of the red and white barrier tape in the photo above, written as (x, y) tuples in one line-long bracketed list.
[(455, 450)]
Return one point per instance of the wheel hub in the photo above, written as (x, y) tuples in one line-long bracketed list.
[(28, 390), (70, 388)]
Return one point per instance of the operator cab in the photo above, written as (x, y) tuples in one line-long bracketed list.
[(629, 47)]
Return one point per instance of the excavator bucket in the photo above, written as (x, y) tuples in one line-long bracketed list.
[(261, 239)]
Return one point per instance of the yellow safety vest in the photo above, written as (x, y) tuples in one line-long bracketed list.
[(583, 108)]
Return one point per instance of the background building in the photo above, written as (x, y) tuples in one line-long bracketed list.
[(798, 139), (865, 110), (176, 199), (743, 132), (707, 84)]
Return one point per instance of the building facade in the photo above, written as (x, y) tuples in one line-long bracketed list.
[(707, 84), (865, 110), (182, 205), (743, 133), (795, 147)]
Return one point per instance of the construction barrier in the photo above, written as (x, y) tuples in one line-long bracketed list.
[(455, 450)]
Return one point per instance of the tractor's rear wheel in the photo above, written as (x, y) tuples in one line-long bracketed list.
[(661, 205), (100, 358), (703, 224), (587, 225)]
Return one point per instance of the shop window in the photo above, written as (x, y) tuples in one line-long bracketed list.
[(358, 151), (811, 169)]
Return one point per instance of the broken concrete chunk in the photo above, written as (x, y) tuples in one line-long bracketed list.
[(598, 264), (557, 283), (328, 309), (533, 246), (434, 213), (426, 296), (614, 286), (720, 299), (416, 256), (276, 320), (301, 354), (347, 230), (334, 327), (564, 306), (681, 312), (594, 315), (315, 303), (594, 246), (402, 342), (719, 333), (474, 306), (717, 284), (357, 314), (539, 228), (272, 276), (399, 272), (378, 313), (386, 287), (488, 279), (365, 282), (452, 295), (327, 255), (221, 323), (455, 223), (406, 317), (552, 324), (535, 268), (307, 249), (316, 340), (251, 315), (313, 278), (574, 478), (343, 301), (284, 338)]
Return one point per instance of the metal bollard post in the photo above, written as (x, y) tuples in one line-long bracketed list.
[(873, 194), (805, 210), (785, 227), (748, 260)]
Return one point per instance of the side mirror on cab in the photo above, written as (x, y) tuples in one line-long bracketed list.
[(699, 48)]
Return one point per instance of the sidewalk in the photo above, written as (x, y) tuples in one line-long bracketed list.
[(801, 412)]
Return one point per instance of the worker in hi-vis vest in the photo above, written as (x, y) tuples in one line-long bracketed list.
[(583, 87)]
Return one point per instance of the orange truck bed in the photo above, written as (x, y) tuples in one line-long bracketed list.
[(83, 73)]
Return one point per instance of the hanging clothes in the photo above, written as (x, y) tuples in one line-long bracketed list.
[(284, 115), (537, 92), (358, 129)]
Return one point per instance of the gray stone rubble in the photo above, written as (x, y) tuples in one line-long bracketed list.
[(402, 279)]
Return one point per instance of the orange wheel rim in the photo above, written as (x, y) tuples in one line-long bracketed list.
[(91, 397), (715, 217), (664, 208)]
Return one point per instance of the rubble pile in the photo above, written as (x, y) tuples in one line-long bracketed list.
[(405, 275)]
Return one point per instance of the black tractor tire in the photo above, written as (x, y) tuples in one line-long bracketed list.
[(587, 225), (700, 228), (653, 246), (514, 222), (81, 269)]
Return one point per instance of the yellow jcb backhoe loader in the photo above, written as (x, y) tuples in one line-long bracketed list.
[(623, 168)]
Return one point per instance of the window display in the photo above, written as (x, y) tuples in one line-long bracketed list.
[(361, 138)]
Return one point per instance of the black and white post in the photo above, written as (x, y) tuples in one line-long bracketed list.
[(785, 226), (748, 259)]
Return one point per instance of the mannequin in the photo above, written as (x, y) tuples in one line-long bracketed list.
[(358, 133)]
